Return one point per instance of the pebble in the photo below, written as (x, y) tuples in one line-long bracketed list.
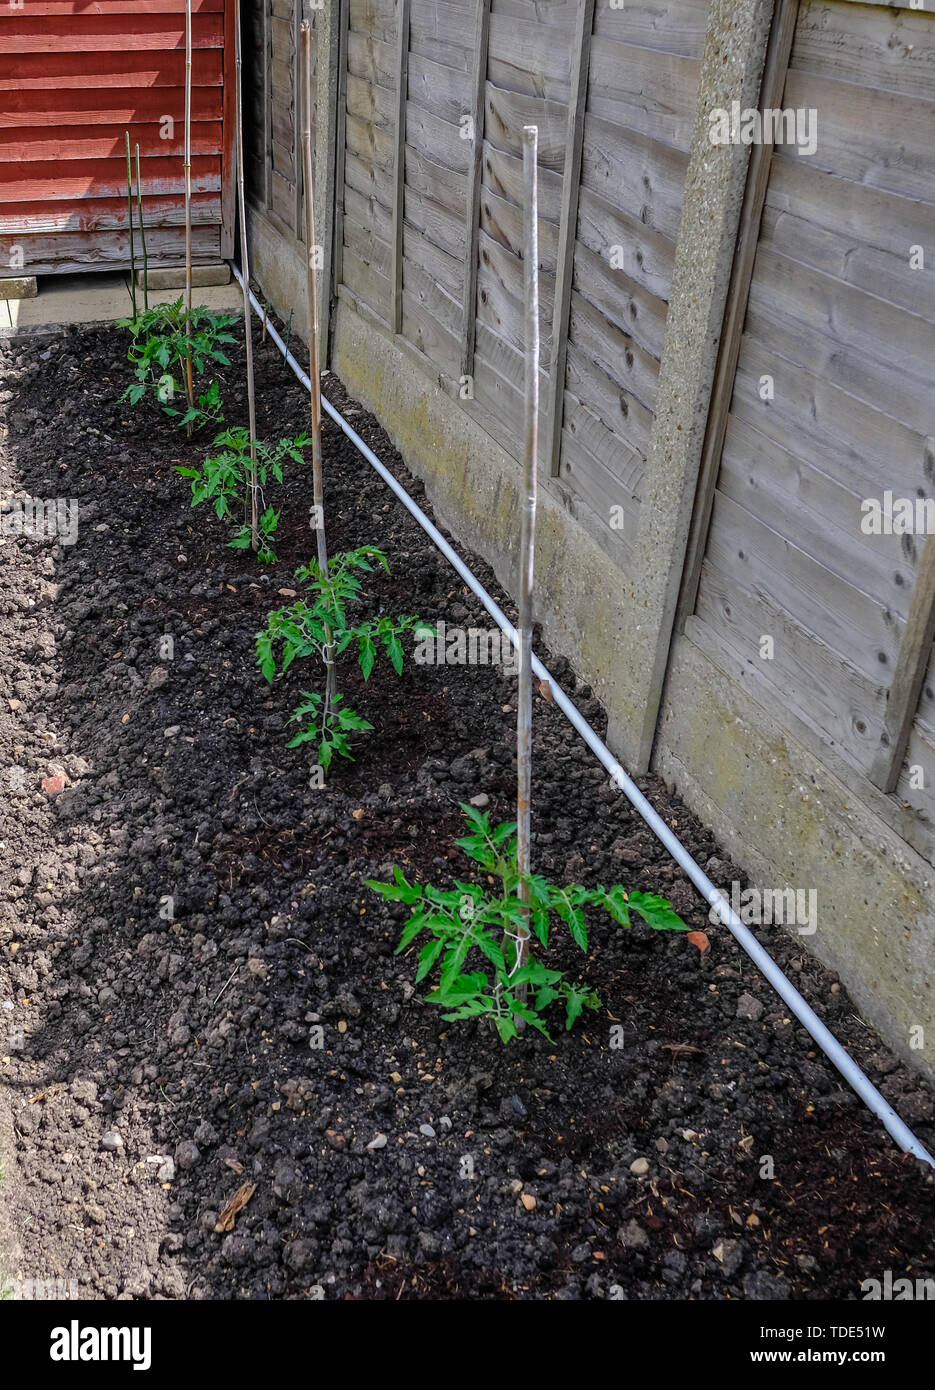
[(427, 1130), (480, 801), (633, 1237), (748, 1007), (640, 1167), (379, 1141), (172, 731), (187, 1153), (112, 1141), (166, 1172)]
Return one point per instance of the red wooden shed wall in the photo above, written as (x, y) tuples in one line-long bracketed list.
[(74, 76)]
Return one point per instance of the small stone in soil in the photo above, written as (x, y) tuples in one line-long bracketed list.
[(748, 1007), (633, 1237), (186, 1153), (111, 1141)]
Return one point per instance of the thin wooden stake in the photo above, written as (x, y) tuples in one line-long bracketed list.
[(245, 275), (139, 203), (130, 224), (314, 371), (528, 530), (189, 383)]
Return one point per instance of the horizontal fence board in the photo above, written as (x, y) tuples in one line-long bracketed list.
[(887, 122), (619, 410), (422, 232), (369, 179), (503, 173), (367, 283), (443, 187), (648, 256), (438, 140), (528, 58), (853, 45), (879, 273), (126, 8), (370, 103), (19, 220), (50, 254), (500, 278), (371, 143), (843, 708), (809, 318), (614, 350), (618, 458), (505, 114), (817, 512), (620, 299), (57, 70), (818, 421), (424, 286), (502, 221), (371, 60), (863, 632), (26, 145), (635, 173), (105, 33), (104, 178), (644, 89), (108, 106), (443, 90), (676, 26)]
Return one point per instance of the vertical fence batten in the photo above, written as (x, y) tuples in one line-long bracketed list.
[(399, 165), (775, 68), (337, 256), (475, 180), (568, 226), (915, 651)]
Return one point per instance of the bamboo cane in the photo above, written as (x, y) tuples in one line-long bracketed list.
[(189, 383), (139, 203), (130, 224), (311, 285), (245, 273), (527, 534)]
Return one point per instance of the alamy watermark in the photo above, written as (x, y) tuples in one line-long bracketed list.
[(39, 518), (782, 907), (775, 126), (897, 516), (900, 1289), (458, 646)]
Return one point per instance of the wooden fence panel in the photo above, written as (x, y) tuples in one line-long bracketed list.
[(832, 408)]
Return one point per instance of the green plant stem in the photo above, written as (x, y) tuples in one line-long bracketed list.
[(130, 225), (139, 203)]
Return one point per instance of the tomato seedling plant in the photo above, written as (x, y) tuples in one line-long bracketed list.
[(470, 921), (225, 480), (161, 350), (310, 627)]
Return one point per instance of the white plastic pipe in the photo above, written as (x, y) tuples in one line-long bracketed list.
[(783, 986)]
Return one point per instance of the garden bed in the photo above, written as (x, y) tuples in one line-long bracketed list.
[(574, 1169)]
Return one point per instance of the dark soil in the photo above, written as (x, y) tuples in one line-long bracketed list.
[(506, 1172)]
